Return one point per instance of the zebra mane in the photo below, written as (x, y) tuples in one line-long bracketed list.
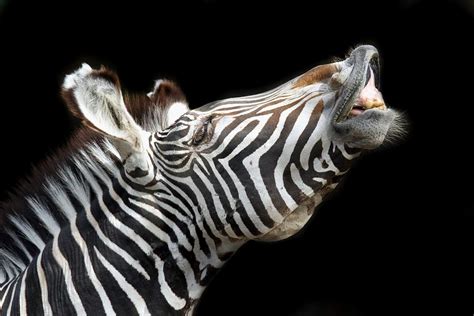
[(33, 206), (27, 210)]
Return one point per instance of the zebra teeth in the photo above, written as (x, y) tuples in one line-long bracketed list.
[(369, 98), (361, 91)]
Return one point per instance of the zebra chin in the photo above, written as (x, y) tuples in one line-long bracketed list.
[(295, 221), (370, 129)]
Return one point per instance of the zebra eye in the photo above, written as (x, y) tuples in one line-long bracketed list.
[(203, 133)]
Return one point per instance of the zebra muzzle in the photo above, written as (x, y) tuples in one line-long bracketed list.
[(360, 91)]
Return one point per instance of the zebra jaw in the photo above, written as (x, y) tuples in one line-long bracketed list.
[(295, 221)]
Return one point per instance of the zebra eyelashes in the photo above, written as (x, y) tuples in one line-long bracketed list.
[(200, 134), (204, 131)]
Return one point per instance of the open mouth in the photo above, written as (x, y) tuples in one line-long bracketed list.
[(361, 89)]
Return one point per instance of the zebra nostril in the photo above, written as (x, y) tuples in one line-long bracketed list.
[(374, 64), (367, 75)]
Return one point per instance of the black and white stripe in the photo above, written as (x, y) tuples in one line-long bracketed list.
[(100, 238)]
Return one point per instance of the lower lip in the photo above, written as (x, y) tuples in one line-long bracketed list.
[(355, 112)]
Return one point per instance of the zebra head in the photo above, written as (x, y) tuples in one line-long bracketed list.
[(275, 155), (252, 167)]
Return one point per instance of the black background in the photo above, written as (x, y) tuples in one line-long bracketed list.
[(395, 239)]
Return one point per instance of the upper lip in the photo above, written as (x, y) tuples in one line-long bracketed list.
[(362, 59)]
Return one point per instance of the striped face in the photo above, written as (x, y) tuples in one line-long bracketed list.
[(258, 165)]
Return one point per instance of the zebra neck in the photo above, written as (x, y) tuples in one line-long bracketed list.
[(93, 229)]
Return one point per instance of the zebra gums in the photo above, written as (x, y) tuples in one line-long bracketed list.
[(150, 198)]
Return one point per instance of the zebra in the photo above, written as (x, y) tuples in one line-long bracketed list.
[(149, 200)]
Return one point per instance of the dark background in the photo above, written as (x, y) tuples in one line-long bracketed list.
[(396, 239)]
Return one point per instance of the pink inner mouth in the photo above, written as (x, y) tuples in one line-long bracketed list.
[(370, 97)]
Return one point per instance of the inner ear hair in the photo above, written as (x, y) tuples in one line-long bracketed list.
[(170, 100), (95, 97)]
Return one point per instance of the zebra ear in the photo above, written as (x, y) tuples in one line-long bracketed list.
[(96, 98), (170, 100)]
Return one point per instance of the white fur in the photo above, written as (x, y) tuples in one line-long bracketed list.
[(132, 235), (75, 185), (290, 143), (67, 274), (131, 292), (70, 80), (13, 259), (182, 263), (19, 243), (104, 299), (9, 310), (213, 260), (109, 243), (44, 215), (27, 230), (252, 213), (155, 87), (102, 104), (64, 204), (11, 272), (60, 198), (217, 203), (4, 288), (175, 301), (47, 310), (175, 111), (22, 302), (3, 277), (97, 98), (172, 113)]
